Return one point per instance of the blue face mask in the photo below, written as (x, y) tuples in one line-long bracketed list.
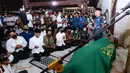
[(11, 58)]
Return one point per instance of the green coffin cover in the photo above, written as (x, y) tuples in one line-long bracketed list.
[(95, 57)]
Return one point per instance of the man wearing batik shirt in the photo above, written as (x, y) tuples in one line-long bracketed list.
[(98, 23)]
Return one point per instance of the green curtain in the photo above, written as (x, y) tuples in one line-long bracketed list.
[(95, 57)]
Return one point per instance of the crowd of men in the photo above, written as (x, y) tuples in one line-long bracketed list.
[(41, 34)]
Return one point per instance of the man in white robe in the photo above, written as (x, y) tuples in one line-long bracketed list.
[(16, 45), (36, 44)]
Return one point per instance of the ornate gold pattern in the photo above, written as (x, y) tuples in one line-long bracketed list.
[(108, 50)]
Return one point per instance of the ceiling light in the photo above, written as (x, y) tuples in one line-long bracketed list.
[(54, 3)]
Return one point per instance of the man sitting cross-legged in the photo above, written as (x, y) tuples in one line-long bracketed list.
[(36, 44)]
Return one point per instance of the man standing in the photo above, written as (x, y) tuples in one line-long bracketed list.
[(54, 18), (10, 21), (75, 21), (47, 19), (59, 20), (83, 20), (29, 18), (98, 23), (36, 44)]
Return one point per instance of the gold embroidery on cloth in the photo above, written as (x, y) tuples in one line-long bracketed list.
[(108, 50)]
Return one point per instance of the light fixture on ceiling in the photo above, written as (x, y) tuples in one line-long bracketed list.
[(54, 3)]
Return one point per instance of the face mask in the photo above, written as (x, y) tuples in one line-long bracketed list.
[(11, 58), (47, 15), (84, 29), (14, 37), (26, 29), (42, 29), (37, 16), (59, 14), (62, 31), (49, 34), (76, 31), (65, 16), (49, 28)]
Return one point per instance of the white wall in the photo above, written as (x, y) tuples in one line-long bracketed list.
[(121, 28), (123, 25), (105, 4)]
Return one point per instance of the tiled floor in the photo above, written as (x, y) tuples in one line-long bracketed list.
[(25, 65), (118, 64)]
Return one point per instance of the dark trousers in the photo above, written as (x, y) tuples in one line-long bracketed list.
[(48, 50), (21, 55), (60, 48), (76, 42), (68, 45), (37, 56)]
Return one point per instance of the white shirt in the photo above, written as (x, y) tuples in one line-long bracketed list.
[(42, 19), (7, 69), (60, 39), (54, 18), (15, 18), (29, 18), (43, 33), (12, 43), (59, 19), (10, 21), (34, 41)]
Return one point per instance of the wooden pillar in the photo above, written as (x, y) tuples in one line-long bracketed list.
[(114, 3)]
